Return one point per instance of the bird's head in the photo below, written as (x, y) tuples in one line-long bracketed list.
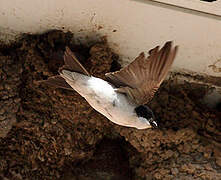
[(145, 114)]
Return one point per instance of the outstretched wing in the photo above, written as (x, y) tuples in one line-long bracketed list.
[(142, 78), (71, 63)]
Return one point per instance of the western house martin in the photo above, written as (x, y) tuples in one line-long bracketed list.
[(122, 97)]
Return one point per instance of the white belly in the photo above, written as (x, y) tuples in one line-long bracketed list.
[(111, 104), (116, 111), (104, 99)]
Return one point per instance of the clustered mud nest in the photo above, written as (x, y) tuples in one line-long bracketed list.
[(57, 135)]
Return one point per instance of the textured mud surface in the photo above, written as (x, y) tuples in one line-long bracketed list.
[(57, 135)]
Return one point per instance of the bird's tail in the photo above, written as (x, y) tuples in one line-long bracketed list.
[(71, 64)]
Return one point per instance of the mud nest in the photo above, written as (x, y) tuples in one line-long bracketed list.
[(49, 133)]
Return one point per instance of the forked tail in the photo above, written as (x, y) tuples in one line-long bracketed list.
[(72, 64)]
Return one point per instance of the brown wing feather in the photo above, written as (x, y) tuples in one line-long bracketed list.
[(142, 78), (71, 63)]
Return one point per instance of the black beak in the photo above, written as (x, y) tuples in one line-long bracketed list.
[(153, 123)]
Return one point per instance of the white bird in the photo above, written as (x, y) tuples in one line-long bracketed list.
[(123, 96)]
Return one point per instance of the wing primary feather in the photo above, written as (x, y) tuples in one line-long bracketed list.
[(141, 78), (168, 62), (163, 60), (152, 59)]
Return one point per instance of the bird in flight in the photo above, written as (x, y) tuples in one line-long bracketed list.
[(122, 97)]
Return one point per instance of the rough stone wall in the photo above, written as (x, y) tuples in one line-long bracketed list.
[(57, 135)]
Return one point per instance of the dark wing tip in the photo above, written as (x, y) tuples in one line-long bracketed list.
[(154, 50), (176, 49), (169, 44)]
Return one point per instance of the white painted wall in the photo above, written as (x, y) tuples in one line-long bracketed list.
[(140, 25)]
